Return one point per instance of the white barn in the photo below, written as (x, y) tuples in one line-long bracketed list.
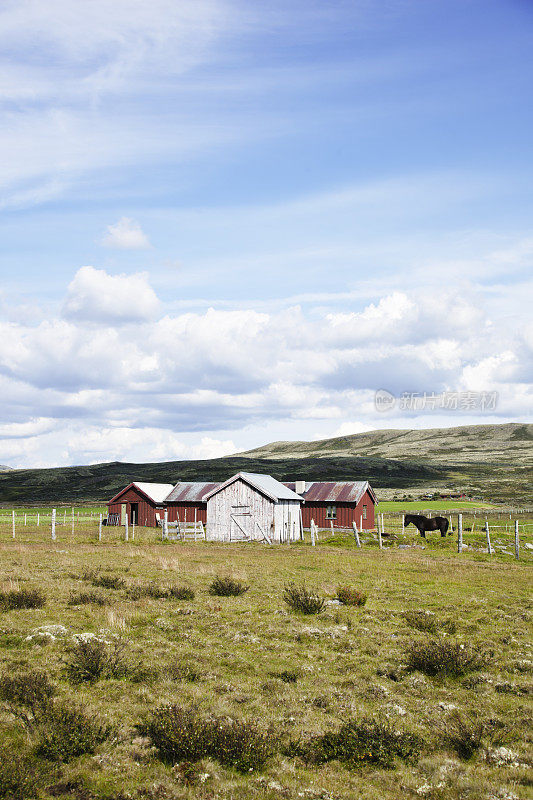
[(250, 507)]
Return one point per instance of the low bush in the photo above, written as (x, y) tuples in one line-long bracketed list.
[(367, 741), (183, 734), (181, 593), (16, 776), (301, 599), (464, 734), (444, 657), (349, 596), (286, 675), (91, 660), (21, 598), (183, 671), (108, 581), (86, 598), (227, 587), (66, 732), (26, 695), (429, 623)]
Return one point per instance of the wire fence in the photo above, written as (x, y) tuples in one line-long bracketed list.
[(494, 531)]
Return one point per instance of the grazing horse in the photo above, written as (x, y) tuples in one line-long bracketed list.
[(427, 524)]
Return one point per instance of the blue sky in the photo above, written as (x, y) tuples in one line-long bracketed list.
[(225, 223)]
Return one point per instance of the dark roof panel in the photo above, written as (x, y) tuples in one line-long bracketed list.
[(190, 492), (333, 491)]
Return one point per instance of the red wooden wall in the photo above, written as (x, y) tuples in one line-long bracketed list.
[(146, 508), (347, 513)]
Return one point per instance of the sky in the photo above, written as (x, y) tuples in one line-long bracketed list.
[(228, 223)]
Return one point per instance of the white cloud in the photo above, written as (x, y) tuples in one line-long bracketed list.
[(126, 234), (95, 296), (206, 384)]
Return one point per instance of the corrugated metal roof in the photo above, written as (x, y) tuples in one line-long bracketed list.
[(190, 492), (333, 491), (265, 484), (155, 491)]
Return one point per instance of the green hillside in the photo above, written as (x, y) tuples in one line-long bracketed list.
[(493, 462)]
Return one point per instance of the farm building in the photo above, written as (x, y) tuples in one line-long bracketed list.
[(140, 503), (337, 503), (340, 503), (186, 502), (253, 507)]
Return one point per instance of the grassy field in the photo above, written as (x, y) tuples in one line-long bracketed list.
[(252, 658), (432, 505)]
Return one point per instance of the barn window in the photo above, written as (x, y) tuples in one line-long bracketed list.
[(331, 512), (364, 511)]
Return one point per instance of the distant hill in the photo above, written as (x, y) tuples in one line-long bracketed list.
[(511, 443), (490, 461), (3, 468)]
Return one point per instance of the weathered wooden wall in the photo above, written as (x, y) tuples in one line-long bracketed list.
[(237, 511)]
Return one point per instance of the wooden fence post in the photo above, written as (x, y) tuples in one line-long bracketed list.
[(459, 533), (38, 519), (380, 542), (165, 526), (403, 524), (356, 534), (313, 532), (53, 524), (25, 517), (126, 529), (133, 530), (516, 540), (100, 529), (13, 523), (487, 534)]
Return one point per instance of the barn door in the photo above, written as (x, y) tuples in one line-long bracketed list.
[(241, 524)]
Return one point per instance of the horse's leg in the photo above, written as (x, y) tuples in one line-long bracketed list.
[(422, 533)]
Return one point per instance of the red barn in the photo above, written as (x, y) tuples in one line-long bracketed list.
[(185, 502), (142, 503), (337, 502)]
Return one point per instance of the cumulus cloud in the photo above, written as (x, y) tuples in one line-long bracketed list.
[(126, 234), (201, 385), (95, 296)]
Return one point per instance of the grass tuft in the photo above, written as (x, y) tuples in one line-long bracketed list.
[(302, 599), (21, 598), (227, 587), (181, 593), (428, 623), (86, 598), (349, 596), (444, 657), (358, 742), (92, 660), (464, 733), (66, 732), (183, 734), (108, 581)]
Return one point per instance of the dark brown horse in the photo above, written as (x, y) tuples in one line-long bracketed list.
[(427, 524)]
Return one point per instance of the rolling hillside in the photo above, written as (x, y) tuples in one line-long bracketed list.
[(490, 461)]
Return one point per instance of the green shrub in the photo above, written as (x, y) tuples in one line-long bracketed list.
[(301, 599), (84, 598), (464, 734), (108, 581), (66, 732), (227, 587), (183, 734), (286, 675), (444, 657), (429, 623), (16, 776), (367, 741), (349, 596), (181, 593), (22, 598), (26, 695), (89, 661), (183, 671)]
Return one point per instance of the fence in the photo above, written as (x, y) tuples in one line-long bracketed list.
[(491, 531)]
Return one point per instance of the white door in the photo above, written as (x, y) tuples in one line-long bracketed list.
[(241, 523)]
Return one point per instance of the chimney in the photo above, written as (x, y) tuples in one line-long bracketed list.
[(299, 487)]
